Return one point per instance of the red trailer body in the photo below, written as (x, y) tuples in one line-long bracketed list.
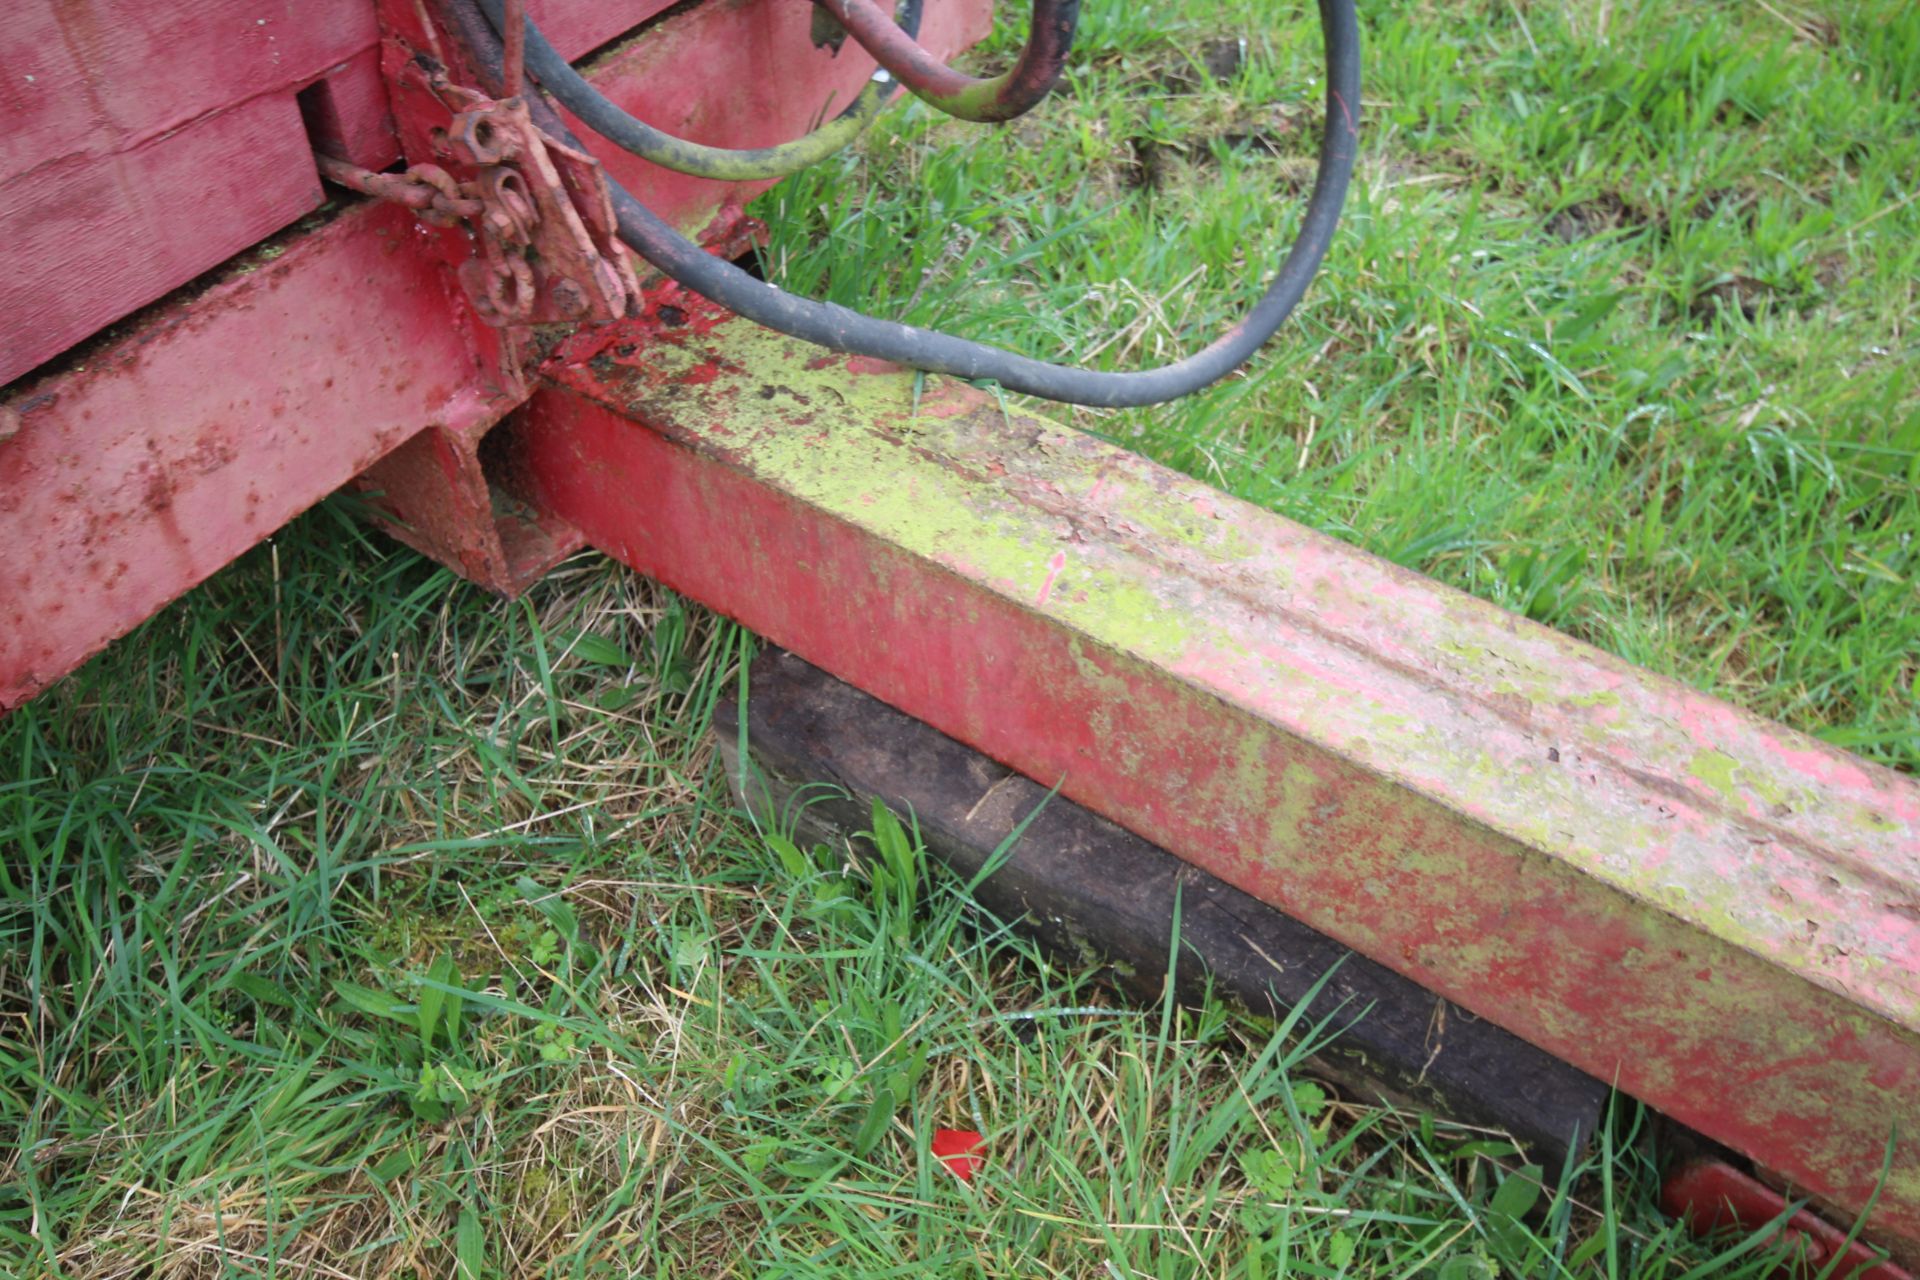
[(198, 342), (164, 140)]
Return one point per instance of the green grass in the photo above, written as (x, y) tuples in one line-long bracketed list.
[(355, 923)]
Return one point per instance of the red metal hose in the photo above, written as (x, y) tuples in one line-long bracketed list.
[(1003, 97)]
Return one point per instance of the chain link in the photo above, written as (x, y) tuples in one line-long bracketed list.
[(427, 189)]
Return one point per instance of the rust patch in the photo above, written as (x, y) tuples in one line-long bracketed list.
[(156, 493)]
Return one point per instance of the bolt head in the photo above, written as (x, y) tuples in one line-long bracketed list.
[(478, 139), (569, 298)]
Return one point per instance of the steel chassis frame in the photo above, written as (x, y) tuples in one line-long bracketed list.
[(1717, 913)]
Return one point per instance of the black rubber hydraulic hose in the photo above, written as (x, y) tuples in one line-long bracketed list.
[(726, 164), (840, 329)]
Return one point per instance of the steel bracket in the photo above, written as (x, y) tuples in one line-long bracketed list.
[(535, 214)]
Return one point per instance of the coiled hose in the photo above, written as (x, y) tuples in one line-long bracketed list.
[(1031, 78), (723, 164), (841, 329)]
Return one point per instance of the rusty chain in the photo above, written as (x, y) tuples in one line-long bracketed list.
[(427, 189), (498, 205), (543, 245)]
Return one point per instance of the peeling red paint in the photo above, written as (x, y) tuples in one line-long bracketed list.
[(349, 343), (157, 447), (1054, 566)]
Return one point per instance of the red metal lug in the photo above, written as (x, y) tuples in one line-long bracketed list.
[(543, 249), (1711, 1196)]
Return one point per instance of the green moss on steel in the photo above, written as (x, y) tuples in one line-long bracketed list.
[(1342, 836), (977, 102), (1295, 815), (1173, 517), (924, 484), (1725, 775), (899, 482), (1873, 821), (1717, 770), (1095, 672), (1536, 684)]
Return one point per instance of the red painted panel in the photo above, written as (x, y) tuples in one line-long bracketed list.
[(348, 116), (89, 77), (156, 411), (91, 238), (145, 143), (148, 141), (433, 493), (177, 450), (577, 27), (1713, 1196), (95, 77)]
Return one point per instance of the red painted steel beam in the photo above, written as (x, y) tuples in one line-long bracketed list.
[(1716, 912), (132, 473), (1713, 1196), (172, 453)]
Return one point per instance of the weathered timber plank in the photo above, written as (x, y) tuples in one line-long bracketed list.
[(92, 78), (92, 238), (95, 77), (577, 27), (1093, 892), (347, 113)]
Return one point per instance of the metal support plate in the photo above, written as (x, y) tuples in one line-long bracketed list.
[(1718, 913)]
